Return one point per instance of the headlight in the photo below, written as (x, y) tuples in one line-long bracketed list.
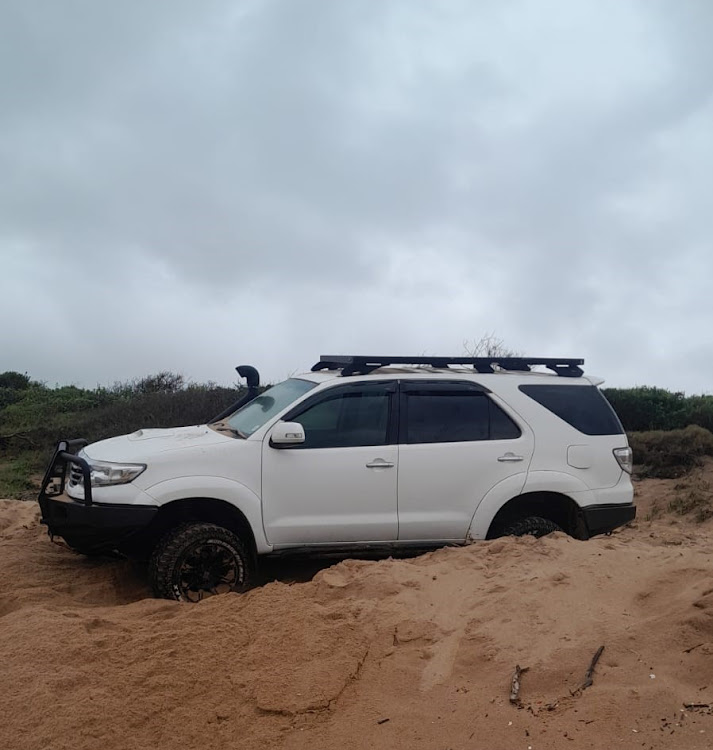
[(105, 473)]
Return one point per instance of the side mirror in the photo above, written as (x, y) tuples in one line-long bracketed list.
[(285, 434)]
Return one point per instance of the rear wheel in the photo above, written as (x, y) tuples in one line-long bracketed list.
[(197, 560), (533, 525)]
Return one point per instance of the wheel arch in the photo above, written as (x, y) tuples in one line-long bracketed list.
[(554, 506), (197, 510)]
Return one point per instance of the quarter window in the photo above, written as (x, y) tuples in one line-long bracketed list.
[(582, 406)]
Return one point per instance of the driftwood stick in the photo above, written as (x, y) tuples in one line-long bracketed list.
[(17, 436), (693, 648), (515, 683), (589, 676), (698, 705)]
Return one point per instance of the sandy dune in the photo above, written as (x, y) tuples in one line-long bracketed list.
[(390, 654)]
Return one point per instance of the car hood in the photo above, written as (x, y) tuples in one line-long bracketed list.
[(142, 445)]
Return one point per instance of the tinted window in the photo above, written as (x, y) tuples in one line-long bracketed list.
[(582, 406), (501, 426), (346, 419), (452, 417)]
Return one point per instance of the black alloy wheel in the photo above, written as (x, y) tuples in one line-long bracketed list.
[(198, 560)]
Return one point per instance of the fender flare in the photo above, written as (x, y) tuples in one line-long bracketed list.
[(217, 488)]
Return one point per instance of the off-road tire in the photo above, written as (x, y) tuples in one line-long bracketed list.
[(533, 525), (168, 561)]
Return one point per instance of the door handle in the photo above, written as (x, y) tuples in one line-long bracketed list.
[(510, 458), (379, 463)]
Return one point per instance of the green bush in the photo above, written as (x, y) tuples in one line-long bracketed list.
[(8, 396), (669, 432), (15, 381), (646, 408), (672, 453), (700, 411), (35, 418)]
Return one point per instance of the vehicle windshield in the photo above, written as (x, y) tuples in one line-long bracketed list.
[(255, 413)]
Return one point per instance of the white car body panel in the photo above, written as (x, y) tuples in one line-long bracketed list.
[(329, 495), (119, 494), (441, 484), (137, 446), (432, 492)]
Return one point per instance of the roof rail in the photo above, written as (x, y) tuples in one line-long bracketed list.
[(363, 365)]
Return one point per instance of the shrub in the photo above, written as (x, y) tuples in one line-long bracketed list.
[(34, 418), (44, 415), (693, 497), (15, 381), (647, 408), (700, 411), (162, 382), (8, 396), (672, 453)]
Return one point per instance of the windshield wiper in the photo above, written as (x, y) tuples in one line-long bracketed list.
[(223, 427)]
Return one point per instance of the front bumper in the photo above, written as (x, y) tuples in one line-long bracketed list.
[(85, 525), (601, 519), (94, 528)]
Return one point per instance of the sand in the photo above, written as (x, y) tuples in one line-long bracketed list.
[(369, 654)]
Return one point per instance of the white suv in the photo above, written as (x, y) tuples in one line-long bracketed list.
[(360, 453)]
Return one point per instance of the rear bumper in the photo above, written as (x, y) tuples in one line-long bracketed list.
[(94, 528), (603, 518)]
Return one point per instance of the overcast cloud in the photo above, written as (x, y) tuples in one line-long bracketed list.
[(190, 186)]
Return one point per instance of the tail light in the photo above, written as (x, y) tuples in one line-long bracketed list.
[(625, 458)]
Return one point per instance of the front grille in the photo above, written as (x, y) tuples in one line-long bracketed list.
[(75, 475)]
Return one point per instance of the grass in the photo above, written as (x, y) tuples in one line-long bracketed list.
[(693, 497), (17, 475)]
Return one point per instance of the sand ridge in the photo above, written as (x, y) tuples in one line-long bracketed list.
[(411, 653)]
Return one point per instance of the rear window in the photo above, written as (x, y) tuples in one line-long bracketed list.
[(582, 406)]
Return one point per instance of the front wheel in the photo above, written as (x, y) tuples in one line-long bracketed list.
[(197, 560), (533, 525)]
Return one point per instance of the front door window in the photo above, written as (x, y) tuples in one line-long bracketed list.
[(347, 418)]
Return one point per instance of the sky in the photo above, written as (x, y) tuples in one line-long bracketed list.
[(191, 186)]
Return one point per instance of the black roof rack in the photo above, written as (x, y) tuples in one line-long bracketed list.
[(362, 365)]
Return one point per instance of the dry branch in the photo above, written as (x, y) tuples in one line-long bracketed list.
[(589, 676), (17, 436)]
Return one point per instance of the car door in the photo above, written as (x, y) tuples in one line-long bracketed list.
[(455, 444), (339, 486)]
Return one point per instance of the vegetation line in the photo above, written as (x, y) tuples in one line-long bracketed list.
[(669, 432)]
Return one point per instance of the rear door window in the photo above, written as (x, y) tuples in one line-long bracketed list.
[(584, 407), (447, 414)]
